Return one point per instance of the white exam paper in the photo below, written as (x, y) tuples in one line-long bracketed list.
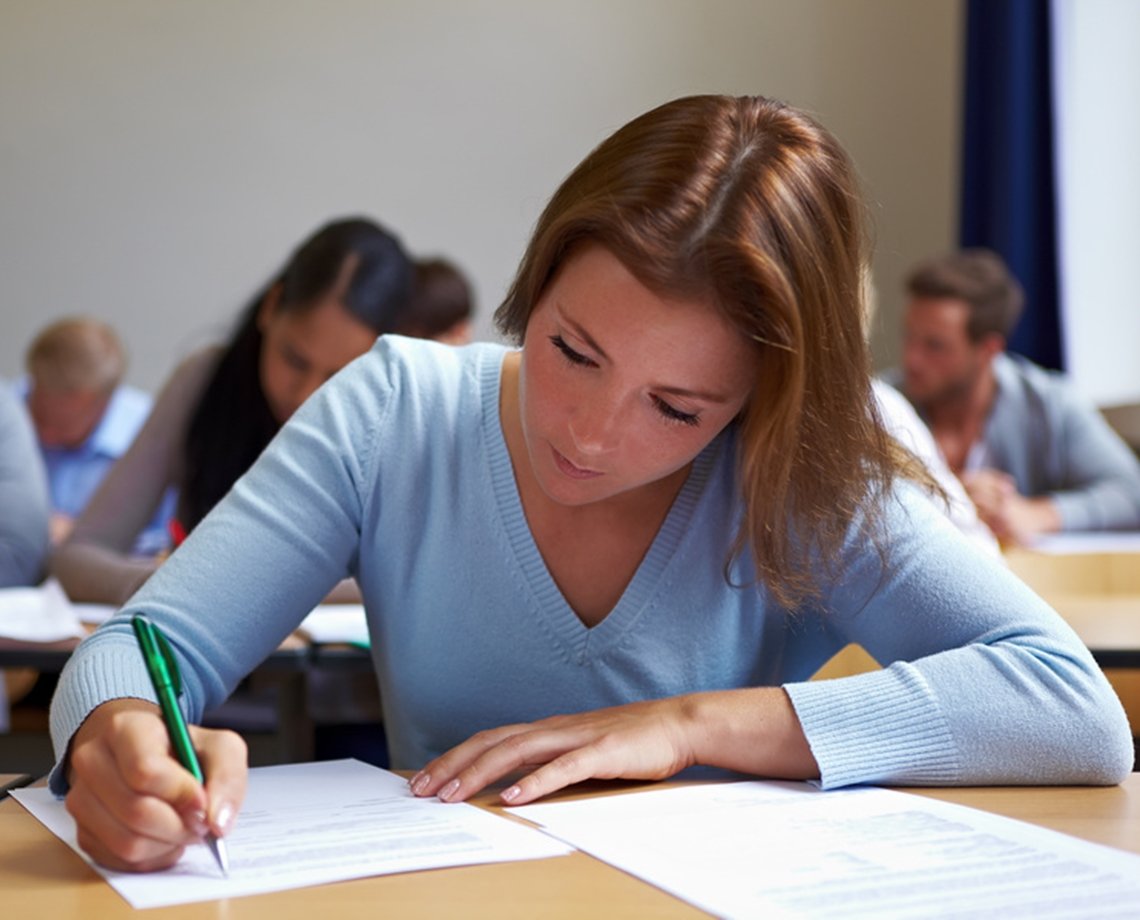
[(765, 849), (42, 614), (312, 823), (325, 623), (94, 614), (1074, 543), (337, 623)]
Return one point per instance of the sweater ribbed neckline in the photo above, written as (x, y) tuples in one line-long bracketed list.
[(578, 640)]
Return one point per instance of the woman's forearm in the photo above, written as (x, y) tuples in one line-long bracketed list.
[(754, 731)]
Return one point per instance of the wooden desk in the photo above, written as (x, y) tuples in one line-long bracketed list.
[(41, 877), (9, 781), (1108, 624), (1098, 593), (1076, 573)]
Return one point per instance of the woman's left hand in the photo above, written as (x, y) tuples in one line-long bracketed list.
[(649, 740)]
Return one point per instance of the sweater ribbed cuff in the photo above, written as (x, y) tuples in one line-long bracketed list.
[(116, 672), (884, 727)]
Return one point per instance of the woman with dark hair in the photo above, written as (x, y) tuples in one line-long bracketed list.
[(442, 307), (622, 549), (342, 287)]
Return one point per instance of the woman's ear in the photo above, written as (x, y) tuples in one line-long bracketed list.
[(269, 306)]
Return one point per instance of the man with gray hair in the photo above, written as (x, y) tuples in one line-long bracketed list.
[(84, 416), (1034, 457)]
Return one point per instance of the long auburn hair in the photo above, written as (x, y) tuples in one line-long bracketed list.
[(232, 423), (752, 205)]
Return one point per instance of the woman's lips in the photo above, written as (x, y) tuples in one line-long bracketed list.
[(571, 471)]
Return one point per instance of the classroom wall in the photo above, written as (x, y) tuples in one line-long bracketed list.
[(160, 159)]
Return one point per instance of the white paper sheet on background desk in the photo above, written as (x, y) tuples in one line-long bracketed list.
[(1076, 543), (313, 823), (759, 849), (41, 614), (337, 623), (333, 623)]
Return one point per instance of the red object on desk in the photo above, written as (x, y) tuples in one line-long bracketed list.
[(177, 533)]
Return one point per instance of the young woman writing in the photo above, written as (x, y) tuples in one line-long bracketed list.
[(623, 548)]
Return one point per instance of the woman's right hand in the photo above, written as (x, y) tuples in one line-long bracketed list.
[(135, 806)]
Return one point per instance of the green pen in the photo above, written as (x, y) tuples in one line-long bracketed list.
[(163, 670)]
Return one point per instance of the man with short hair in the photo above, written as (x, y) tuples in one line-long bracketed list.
[(84, 417), (1034, 457)]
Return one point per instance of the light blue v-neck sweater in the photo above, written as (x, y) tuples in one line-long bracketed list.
[(396, 472)]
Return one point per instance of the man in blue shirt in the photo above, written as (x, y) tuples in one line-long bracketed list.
[(84, 417)]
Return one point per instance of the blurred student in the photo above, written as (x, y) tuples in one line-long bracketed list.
[(343, 286), (904, 425), (85, 417), (442, 306), (24, 515), (1033, 455), (24, 506)]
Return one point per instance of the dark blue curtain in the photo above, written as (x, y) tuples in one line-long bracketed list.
[(1008, 200)]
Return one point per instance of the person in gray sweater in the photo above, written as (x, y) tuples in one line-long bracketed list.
[(24, 514), (1033, 455), (24, 507)]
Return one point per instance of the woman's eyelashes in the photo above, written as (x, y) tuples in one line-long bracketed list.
[(674, 414), (669, 412), (574, 357)]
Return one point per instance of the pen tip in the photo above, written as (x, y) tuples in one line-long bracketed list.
[(219, 850)]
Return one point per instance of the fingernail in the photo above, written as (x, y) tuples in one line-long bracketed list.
[(223, 817), (198, 823), (420, 782), (509, 795), (449, 790)]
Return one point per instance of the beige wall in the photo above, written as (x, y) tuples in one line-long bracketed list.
[(159, 159)]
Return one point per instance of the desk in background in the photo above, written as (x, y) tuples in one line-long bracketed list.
[(1098, 594), (282, 677), (40, 876), (1101, 572)]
